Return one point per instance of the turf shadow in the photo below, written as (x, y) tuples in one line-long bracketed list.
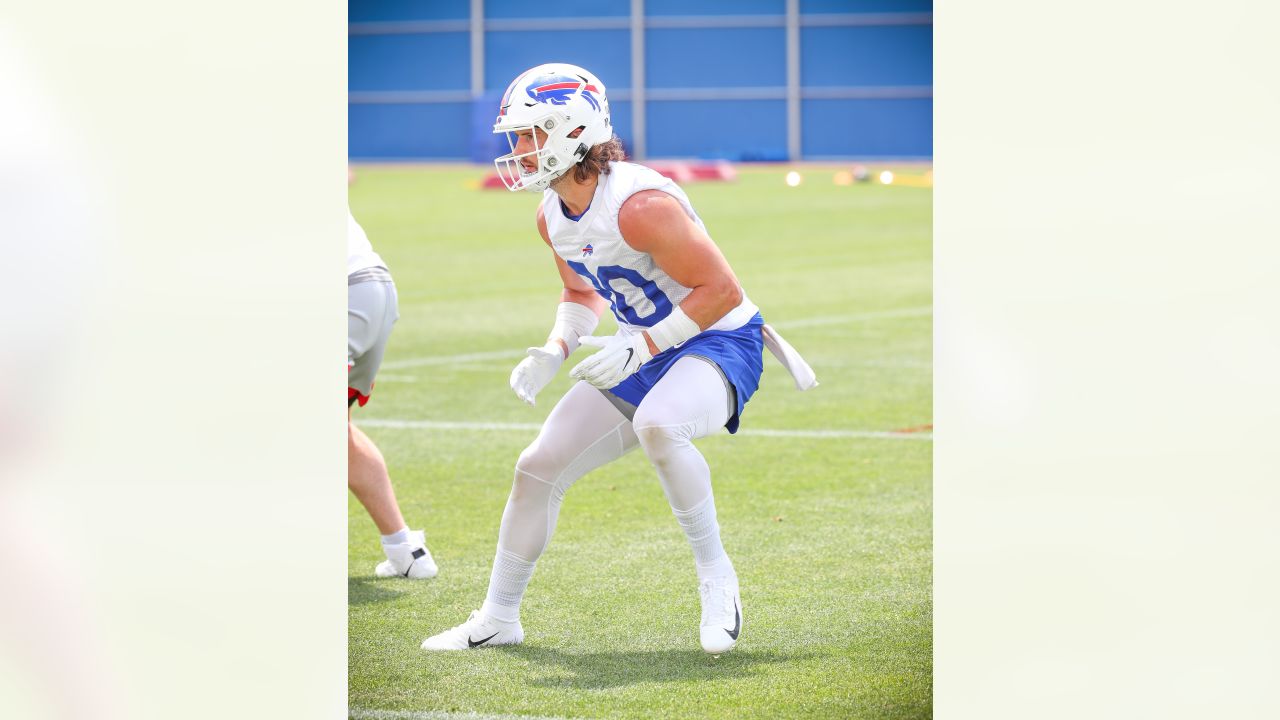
[(366, 591), (601, 670)]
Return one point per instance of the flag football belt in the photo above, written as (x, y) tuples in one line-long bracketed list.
[(790, 359)]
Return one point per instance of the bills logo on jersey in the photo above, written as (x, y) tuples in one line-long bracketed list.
[(557, 89), (587, 250)]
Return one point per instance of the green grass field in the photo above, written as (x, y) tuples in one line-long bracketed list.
[(831, 535)]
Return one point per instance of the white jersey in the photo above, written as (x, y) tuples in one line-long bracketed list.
[(638, 291), (360, 254)]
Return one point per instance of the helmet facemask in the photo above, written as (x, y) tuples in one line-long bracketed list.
[(568, 105), (556, 152)]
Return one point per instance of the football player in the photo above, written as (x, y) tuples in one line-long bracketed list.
[(685, 360), (371, 311)]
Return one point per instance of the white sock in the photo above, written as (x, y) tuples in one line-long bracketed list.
[(397, 538), (700, 526), (507, 582), (503, 613)]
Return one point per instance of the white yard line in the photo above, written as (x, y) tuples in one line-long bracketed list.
[(822, 434), (784, 325), (445, 425)]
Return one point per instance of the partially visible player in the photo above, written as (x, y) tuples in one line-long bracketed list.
[(371, 311), (686, 358)]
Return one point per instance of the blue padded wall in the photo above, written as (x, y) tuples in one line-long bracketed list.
[(715, 75), (401, 131), (660, 8), (888, 127), (720, 129), (507, 54), (865, 6), (680, 58), (866, 56), (412, 61), (558, 9), (395, 10)]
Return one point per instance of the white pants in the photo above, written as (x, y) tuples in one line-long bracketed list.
[(585, 431)]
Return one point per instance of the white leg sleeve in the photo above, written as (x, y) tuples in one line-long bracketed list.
[(691, 401), (583, 432)]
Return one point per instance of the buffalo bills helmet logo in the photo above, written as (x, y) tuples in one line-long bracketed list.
[(557, 89)]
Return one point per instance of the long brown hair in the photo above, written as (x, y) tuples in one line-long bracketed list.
[(598, 158)]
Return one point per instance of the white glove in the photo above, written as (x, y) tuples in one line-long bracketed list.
[(534, 372), (619, 356)]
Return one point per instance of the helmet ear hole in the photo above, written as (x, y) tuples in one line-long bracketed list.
[(577, 131)]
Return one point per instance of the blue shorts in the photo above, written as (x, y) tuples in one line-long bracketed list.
[(738, 353)]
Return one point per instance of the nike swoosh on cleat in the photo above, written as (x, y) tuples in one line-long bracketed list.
[(416, 554), (473, 643), (737, 623)]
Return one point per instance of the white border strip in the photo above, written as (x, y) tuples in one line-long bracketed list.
[(534, 427)]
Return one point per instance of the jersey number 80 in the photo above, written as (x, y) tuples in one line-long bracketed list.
[(602, 281)]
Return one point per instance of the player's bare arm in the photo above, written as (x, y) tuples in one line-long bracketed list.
[(576, 289), (654, 222)]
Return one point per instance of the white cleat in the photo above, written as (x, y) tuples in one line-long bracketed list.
[(721, 614), (409, 560), (477, 631)]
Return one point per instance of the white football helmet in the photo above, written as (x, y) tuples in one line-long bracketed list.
[(565, 102)]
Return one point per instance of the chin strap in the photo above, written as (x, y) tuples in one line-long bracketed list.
[(790, 359)]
